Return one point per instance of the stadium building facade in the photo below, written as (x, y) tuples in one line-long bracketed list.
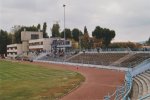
[(34, 42)]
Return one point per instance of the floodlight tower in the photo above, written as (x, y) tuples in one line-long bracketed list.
[(64, 29)]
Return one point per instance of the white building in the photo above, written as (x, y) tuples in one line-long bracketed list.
[(26, 36), (34, 41), (43, 44), (13, 50)]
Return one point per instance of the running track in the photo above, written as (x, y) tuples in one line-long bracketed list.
[(98, 82)]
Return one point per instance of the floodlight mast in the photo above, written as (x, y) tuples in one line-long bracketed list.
[(64, 31)]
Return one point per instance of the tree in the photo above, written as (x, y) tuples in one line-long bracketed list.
[(3, 42), (75, 34), (108, 36), (39, 27), (85, 39), (98, 33), (104, 34), (67, 33), (130, 45), (85, 30), (148, 41), (55, 30), (10, 39), (44, 30)]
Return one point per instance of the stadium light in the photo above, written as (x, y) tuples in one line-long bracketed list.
[(64, 32), (64, 22)]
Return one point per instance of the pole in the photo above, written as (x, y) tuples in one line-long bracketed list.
[(64, 32), (64, 22)]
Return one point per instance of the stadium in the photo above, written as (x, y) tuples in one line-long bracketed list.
[(74, 50), (110, 74)]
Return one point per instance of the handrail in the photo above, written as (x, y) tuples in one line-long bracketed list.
[(129, 82), (141, 67), (144, 97), (122, 91)]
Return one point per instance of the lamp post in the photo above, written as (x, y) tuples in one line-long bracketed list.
[(64, 22), (64, 32)]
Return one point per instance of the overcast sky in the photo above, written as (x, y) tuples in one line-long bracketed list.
[(129, 18)]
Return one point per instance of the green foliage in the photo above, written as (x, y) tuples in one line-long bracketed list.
[(75, 34), (85, 39), (39, 26), (55, 30), (125, 45), (45, 35), (31, 82), (98, 32), (148, 41), (85, 30), (3, 41), (67, 33), (10, 39), (104, 34)]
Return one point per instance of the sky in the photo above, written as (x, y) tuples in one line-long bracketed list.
[(129, 18)]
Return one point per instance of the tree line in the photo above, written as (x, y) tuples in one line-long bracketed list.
[(101, 37)]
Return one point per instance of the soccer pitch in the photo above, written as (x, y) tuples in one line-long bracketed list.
[(30, 82)]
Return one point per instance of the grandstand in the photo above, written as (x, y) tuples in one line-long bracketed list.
[(134, 60), (97, 58), (141, 85), (137, 81), (125, 59)]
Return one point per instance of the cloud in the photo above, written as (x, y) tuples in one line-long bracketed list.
[(129, 18)]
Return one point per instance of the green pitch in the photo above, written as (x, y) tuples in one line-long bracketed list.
[(29, 82)]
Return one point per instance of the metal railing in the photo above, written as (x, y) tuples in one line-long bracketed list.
[(142, 67), (144, 97), (122, 92), (126, 89)]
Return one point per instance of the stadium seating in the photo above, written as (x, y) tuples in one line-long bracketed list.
[(128, 59), (97, 58), (141, 85), (134, 60)]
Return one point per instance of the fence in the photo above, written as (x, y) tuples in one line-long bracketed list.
[(145, 65), (124, 91)]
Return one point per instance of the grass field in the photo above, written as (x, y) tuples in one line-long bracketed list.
[(29, 82)]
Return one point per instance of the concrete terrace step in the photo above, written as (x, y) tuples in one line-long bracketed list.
[(140, 88), (144, 83), (147, 74), (147, 81), (148, 71), (135, 91)]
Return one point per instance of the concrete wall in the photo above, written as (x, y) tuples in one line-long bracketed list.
[(25, 46), (36, 44), (26, 35)]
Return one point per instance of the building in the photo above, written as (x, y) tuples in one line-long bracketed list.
[(60, 43), (13, 50), (34, 42), (26, 36), (39, 45)]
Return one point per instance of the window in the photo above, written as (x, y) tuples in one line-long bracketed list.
[(34, 36)]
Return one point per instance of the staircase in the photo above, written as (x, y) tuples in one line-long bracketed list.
[(118, 62), (73, 57)]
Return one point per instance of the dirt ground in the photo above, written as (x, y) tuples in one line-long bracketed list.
[(98, 82)]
